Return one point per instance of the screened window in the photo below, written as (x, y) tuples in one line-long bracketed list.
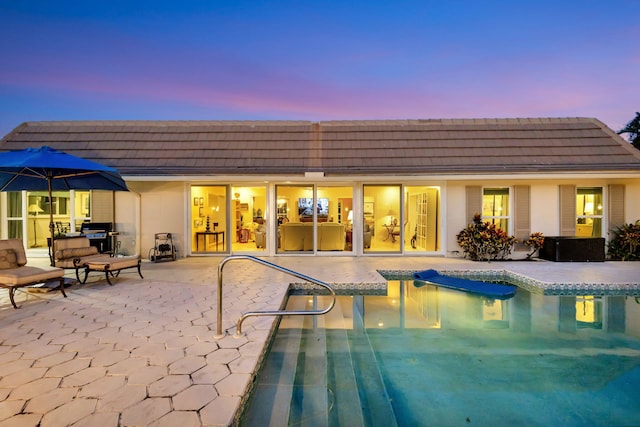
[(589, 211), (495, 207), (14, 214)]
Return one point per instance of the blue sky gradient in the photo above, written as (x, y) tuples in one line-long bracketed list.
[(321, 60)]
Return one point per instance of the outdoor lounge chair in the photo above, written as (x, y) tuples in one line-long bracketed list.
[(14, 273)]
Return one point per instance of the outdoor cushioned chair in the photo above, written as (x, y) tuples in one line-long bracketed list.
[(14, 273), (74, 253)]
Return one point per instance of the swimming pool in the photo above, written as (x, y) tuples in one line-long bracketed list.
[(434, 356)]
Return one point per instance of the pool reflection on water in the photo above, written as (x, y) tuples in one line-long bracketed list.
[(448, 356), (451, 358)]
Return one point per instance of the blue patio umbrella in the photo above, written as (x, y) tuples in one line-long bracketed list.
[(44, 168)]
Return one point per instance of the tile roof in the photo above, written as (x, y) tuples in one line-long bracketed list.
[(447, 146)]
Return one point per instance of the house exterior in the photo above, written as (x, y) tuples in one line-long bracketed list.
[(354, 188)]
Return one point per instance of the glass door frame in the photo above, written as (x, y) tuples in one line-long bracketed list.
[(314, 217), (196, 209)]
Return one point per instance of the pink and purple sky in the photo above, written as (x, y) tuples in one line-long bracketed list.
[(318, 60)]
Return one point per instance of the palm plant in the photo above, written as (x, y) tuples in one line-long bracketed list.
[(625, 245)]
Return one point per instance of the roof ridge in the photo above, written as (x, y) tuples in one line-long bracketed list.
[(165, 122), (487, 120)]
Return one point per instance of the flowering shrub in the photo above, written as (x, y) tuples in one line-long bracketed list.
[(535, 242), (625, 244), (483, 241)]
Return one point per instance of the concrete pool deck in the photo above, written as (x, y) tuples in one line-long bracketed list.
[(144, 352)]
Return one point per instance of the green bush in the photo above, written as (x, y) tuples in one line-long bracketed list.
[(483, 241), (625, 244)]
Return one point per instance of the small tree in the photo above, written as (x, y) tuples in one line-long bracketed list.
[(483, 241), (633, 129)]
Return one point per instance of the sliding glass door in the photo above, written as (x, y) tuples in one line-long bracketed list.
[(314, 219), (296, 211), (383, 226)]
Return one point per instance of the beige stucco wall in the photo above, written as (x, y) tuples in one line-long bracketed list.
[(127, 218), (544, 203), (545, 208), (162, 207), (455, 215), (632, 201), (162, 210)]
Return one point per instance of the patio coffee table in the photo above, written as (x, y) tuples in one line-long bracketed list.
[(111, 266)]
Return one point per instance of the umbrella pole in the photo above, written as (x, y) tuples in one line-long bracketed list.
[(51, 226), (35, 232)]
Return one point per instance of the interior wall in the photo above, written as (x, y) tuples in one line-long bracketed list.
[(333, 194), (292, 194), (433, 219)]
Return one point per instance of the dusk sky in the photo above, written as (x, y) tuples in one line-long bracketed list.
[(318, 60)]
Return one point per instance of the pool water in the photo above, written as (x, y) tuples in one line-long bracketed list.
[(434, 356)]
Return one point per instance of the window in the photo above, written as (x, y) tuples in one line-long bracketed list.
[(14, 214), (81, 208), (39, 201), (495, 207), (589, 211), (40, 210)]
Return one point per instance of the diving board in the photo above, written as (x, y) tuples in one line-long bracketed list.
[(493, 290)]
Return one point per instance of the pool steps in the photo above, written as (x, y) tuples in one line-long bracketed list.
[(275, 386), (299, 385), (341, 377), (374, 400), (309, 402)]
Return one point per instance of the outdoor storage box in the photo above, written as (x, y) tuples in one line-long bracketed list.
[(576, 249)]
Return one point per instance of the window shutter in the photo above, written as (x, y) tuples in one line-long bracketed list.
[(102, 206), (521, 215), (616, 206), (474, 202), (567, 210)]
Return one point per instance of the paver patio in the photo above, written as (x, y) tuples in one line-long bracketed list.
[(144, 352)]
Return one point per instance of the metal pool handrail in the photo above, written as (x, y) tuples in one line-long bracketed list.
[(220, 334)]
